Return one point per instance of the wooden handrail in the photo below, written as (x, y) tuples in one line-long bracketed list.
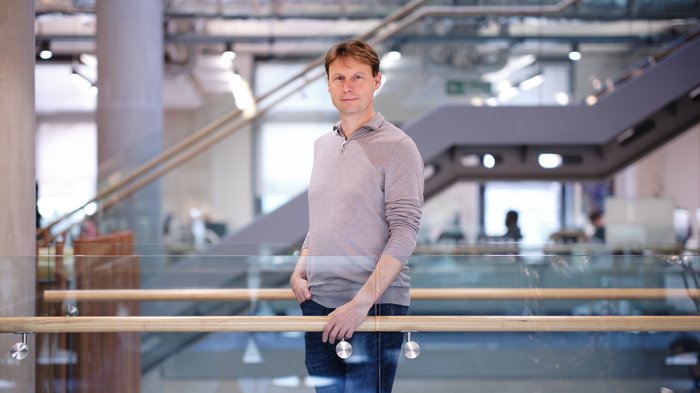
[(372, 324), (102, 295)]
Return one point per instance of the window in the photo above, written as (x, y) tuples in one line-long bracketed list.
[(538, 205)]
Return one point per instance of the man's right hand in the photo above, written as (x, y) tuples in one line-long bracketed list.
[(300, 287), (298, 281)]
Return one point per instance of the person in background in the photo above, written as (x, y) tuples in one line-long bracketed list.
[(365, 206), (88, 228), (685, 344), (596, 218), (512, 228)]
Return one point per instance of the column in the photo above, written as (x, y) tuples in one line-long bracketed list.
[(130, 107), (17, 181)]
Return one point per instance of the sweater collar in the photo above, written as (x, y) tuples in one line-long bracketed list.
[(372, 125)]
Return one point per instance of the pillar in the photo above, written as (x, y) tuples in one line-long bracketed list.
[(17, 183), (130, 107)]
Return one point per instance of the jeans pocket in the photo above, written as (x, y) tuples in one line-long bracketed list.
[(311, 308)]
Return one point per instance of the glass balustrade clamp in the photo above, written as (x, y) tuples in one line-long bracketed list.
[(72, 310), (411, 349), (20, 350), (343, 349)]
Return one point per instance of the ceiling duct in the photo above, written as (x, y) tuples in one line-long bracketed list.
[(465, 55)]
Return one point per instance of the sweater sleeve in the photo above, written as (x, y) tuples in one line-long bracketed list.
[(306, 243), (307, 239), (403, 196)]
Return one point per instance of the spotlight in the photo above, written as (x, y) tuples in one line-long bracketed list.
[(45, 51), (562, 98), (550, 160), (477, 101), (228, 53), (575, 55), (393, 56), (489, 161)]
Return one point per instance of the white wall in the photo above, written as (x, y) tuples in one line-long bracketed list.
[(672, 172), (218, 181), (462, 199)]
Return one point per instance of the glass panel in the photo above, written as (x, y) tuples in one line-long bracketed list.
[(553, 361), (544, 359), (16, 299)]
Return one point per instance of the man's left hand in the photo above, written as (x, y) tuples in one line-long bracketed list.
[(344, 320)]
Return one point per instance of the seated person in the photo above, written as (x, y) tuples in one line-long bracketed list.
[(512, 228), (596, 218)]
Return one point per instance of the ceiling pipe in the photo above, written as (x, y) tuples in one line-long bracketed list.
[(464, 11)]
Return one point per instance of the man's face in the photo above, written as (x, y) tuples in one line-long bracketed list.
[(352, 86)]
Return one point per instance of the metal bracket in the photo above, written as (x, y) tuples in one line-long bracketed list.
[(411, 349), (343, 349), (72, 310), (20, 350)]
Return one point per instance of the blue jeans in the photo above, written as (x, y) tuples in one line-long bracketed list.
[(372, 366)]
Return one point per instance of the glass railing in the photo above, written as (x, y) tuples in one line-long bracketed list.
[(547, 323), (646, 62), (219, 206)]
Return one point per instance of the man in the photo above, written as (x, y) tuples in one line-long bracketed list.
[(688, 344), (365, 201), (596, 218), (512, 229)]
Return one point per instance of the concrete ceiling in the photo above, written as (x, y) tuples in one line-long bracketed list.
[(197, 30)]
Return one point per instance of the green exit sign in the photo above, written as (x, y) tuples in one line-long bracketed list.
[(455, 87)]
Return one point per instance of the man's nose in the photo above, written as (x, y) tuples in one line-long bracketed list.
[(347, 85)]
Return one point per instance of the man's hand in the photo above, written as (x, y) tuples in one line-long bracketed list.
[(344, 320), (300, 287), (298, 281)]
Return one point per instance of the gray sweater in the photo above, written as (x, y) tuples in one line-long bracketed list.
[(365, 200)]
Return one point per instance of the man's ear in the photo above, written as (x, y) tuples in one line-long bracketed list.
[(377, 80)]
